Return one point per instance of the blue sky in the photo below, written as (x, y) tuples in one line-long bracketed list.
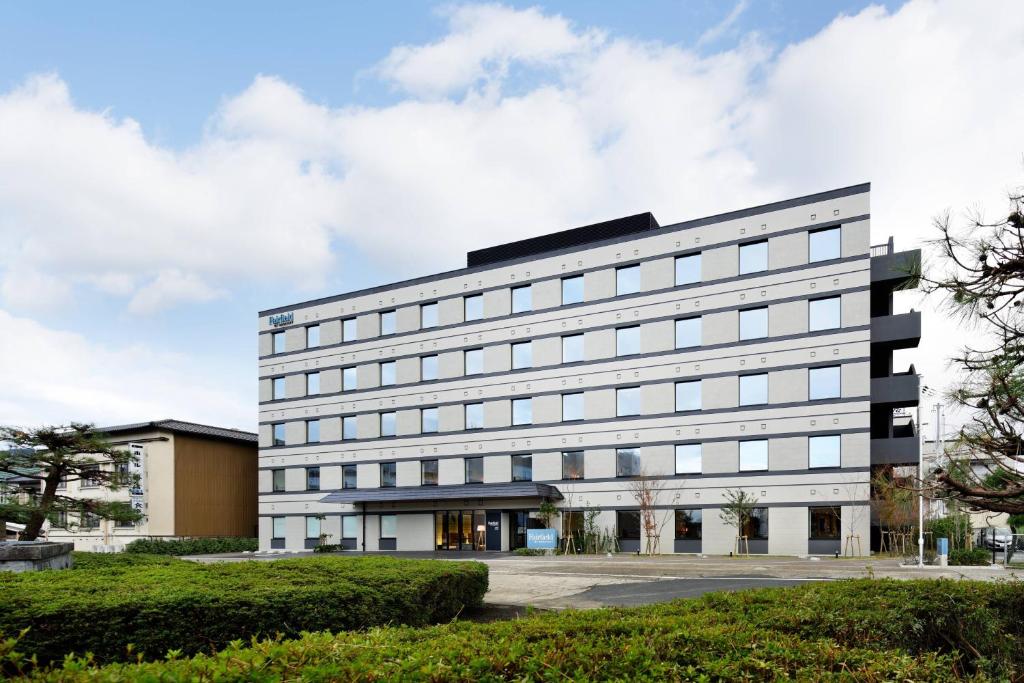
[(171, 170)]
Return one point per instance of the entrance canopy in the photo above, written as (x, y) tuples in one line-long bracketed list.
[(403, 494)]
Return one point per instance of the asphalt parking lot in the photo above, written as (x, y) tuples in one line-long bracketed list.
[(559, 582)]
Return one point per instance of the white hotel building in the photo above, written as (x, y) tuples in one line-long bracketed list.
[(749, 350)]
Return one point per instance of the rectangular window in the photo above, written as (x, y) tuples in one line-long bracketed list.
[(428, 315), (688, 524), (824, 314), (312, 527), (349, 379), (688, 396), (627, 280), (278, 433), (754, 389), (627, 341), (825, 523), (277, 525), (474, 470), (522, 468), (387, 475), (688, 333), (388, 373), (278, 386), (522, 355), (824, 245), (312, 431), (688, 458), (688, 269), (428, 420), (572, 465), (522, 299), (572, 348), (349, 428), (388, 423), (428, 473), (474, 415), (348, 329), (348, 476), (312, 336), (572, 290), (627, 401), (473, 307), (389, 526), (627, 525), (823, 383), (824, 451), (278, 339), (754, 323), (473, 361), (756, 526), (277, 480), (312, 478), (89, 476), (428, 368), (572, 407), (522, 411), (387, 322), (753, 257), (312, 383), (349, 527), (753, 455), (627, 462)]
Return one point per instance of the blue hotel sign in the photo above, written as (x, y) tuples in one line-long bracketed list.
[(282, 319), (542, 539)]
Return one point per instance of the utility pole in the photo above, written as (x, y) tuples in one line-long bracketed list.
[(920, 479)]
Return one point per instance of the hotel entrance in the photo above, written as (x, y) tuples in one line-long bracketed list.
[(467, 530)]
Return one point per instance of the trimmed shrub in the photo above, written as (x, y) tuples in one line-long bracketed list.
[(814, 632), (192, 546), (160, 604), (975, 556), (329, 548)]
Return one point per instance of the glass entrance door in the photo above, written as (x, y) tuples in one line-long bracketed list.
[(460, 530)]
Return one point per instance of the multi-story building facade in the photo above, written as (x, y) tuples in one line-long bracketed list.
[(193, 480), (750, 350)]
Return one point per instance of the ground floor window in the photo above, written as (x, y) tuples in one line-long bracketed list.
[(756, 526), (460, 530), (572, 529), (689, 523), (348, 526), (312, 527), (825, 523), (277, 527), (522, 521), (627, 525), (389, 526)]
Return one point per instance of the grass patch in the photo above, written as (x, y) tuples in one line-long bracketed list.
[(850, 630), (158, 604)]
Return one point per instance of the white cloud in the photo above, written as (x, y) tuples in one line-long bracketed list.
[(171, 287), (54, 376), (723, 27), (916, 101)]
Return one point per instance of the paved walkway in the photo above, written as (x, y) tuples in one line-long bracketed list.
[(558, 582)]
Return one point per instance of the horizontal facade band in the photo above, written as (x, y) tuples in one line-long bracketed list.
[(760, 370), (581, 508), (387, 340), (667, 229), (582, 330), (562, 449)]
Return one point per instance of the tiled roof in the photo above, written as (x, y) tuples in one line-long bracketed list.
[(180, 427)]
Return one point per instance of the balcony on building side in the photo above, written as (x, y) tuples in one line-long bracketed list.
[(900, 331), (898, 390)]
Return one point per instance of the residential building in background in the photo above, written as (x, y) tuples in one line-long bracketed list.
[(752, 349), (194, 480)]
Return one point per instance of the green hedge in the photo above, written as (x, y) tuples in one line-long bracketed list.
[(192, 546), (159, 604), (975, 556), (850, 630)]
